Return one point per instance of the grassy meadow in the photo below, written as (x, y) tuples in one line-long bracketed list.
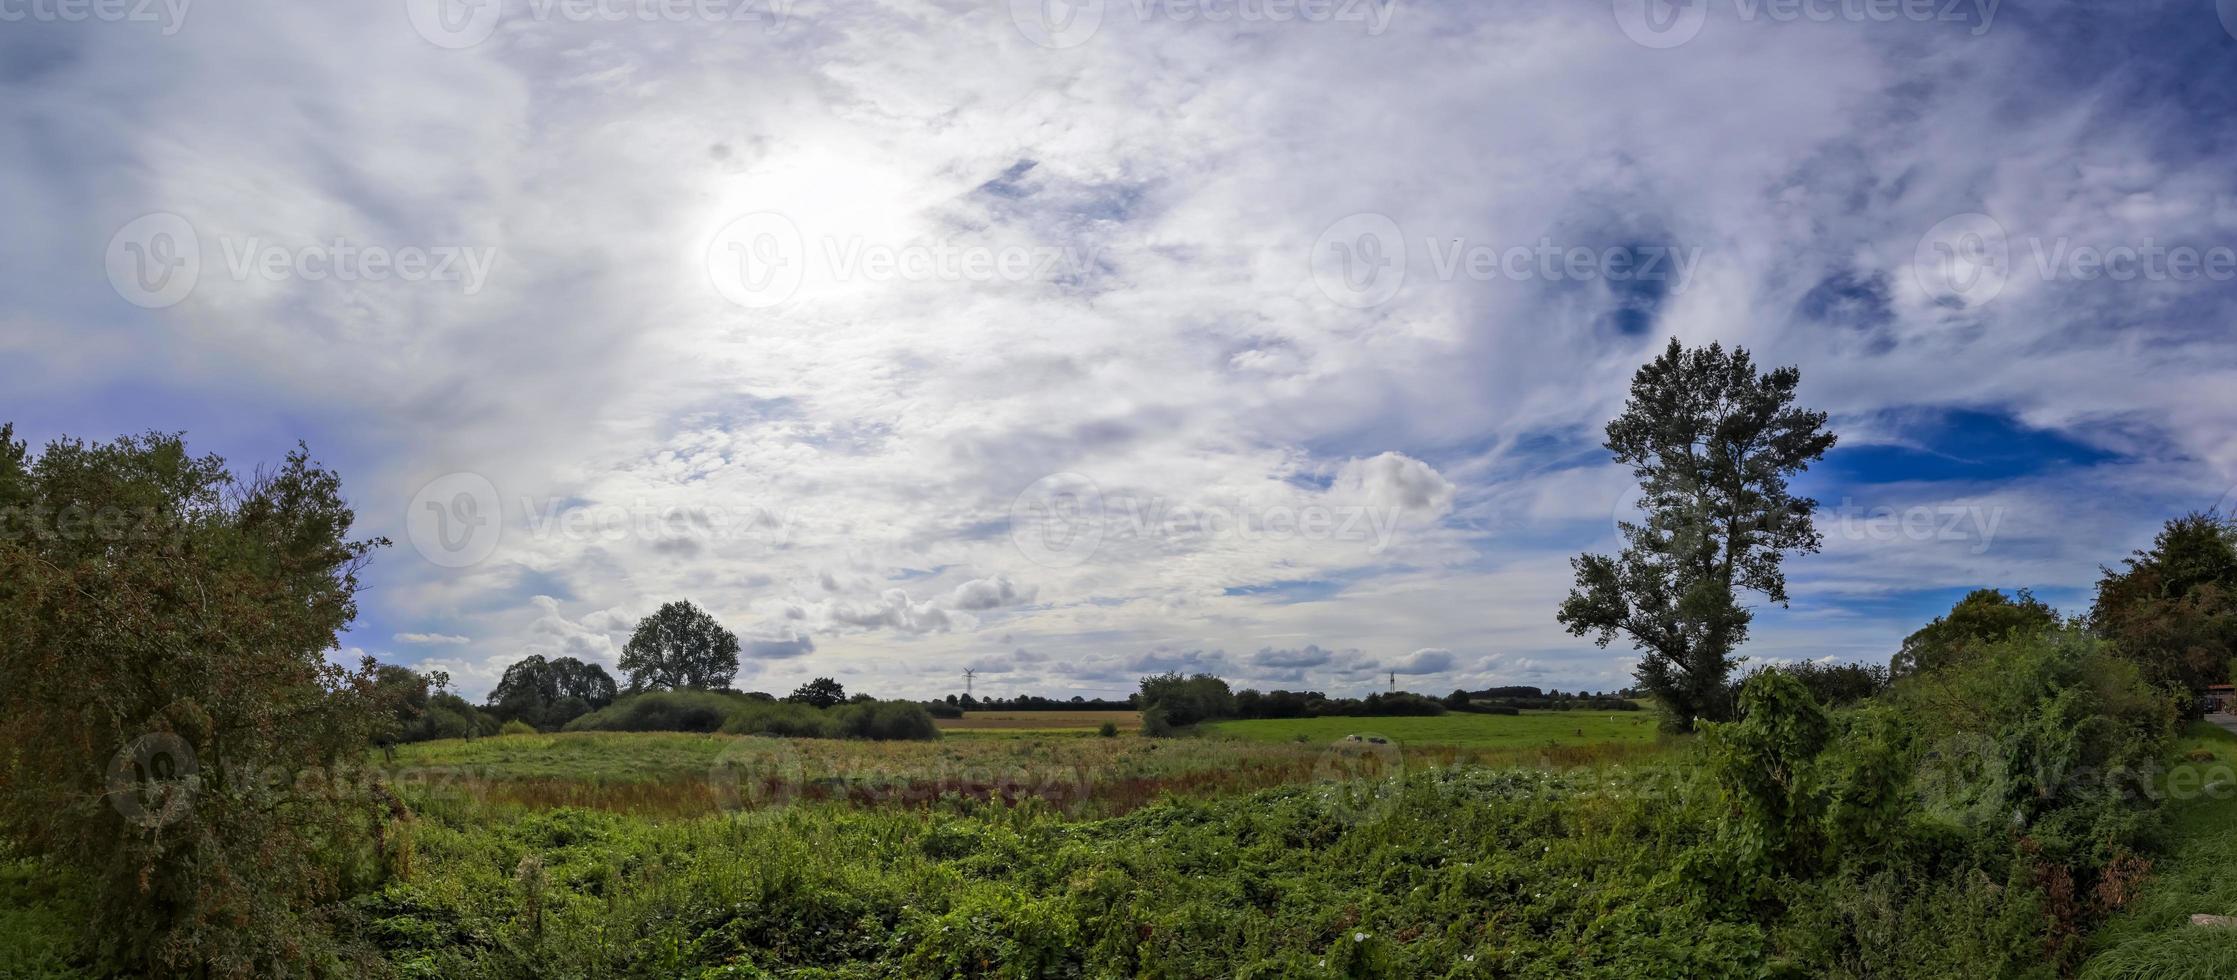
[(672, 774)]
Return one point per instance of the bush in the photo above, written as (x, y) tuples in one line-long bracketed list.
[(1154, 722), (517, 727), (1188, 700), (662, 711), (785, 719), (1109, 730), (448, 716), (881, 721), (885, 721)]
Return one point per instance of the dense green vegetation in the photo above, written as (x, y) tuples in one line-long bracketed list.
[(1526, 729), (741, 714)]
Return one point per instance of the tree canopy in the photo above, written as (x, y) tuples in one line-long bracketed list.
[(164, 632), (823, 692), (2172, 609), (1983, 617), (680, 646), (548, 693), (1712, 443)]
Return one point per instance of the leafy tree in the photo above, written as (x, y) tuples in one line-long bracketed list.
[(401, 694), (1983, 617), (680, 646), (2173, 609), (1185, 701), (1712, 443), (164, 683), (823, 692), (550, 693)]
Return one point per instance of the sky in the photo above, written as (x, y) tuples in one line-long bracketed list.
[(1070, 342)]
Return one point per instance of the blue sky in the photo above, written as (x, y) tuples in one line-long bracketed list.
[(910, 337)]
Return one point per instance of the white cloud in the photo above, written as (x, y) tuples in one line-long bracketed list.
[(833, 476), (438, 639)]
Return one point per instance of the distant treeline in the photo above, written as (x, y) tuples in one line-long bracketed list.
[(564, 694), (1491, 699), (1028, 702)]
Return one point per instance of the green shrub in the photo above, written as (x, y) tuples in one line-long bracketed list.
[(662, 711), (782, 718), (517, 727), (884, 721), (449, 716), (1155, 724), (1109, 730)]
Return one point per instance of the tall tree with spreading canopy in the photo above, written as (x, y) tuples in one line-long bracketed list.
[(2173, 608), (164, 687), (680, 646), (1712, 444), (823, 692)]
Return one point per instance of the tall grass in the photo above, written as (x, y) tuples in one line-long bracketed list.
[(2196, 875)]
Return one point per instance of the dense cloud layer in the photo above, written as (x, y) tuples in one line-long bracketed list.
[(898, 337)]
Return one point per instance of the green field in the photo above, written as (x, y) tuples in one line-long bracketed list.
[(1527, 730)]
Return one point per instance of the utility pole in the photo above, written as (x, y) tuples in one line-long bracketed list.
[(968, 673), (1394, 682)]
